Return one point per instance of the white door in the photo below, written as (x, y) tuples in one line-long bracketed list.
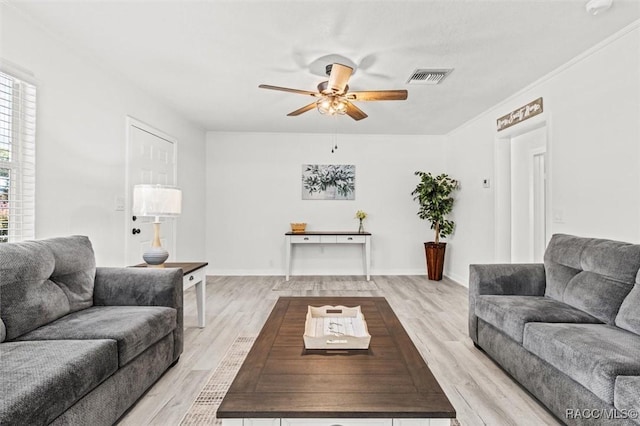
[(538, 199), (151, 159), (527, 196)]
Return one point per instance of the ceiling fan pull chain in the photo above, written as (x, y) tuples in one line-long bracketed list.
[(335, 134)]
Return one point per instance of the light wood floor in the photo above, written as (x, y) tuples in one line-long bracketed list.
[(433, 313)]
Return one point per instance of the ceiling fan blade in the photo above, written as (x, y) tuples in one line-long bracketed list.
[(305, 108), (355, 112), (378, 95), (286, 89), (339, 77)]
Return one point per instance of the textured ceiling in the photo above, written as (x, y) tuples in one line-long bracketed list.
[(206, 58)]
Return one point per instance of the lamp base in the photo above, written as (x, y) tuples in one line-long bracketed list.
[(155, 255)]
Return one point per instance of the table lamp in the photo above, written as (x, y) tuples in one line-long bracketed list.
[(156, 201)]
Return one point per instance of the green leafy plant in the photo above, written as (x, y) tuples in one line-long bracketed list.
[(433, 193)]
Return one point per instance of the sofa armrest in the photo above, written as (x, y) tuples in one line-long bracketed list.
[(522, 279), (142, 287)]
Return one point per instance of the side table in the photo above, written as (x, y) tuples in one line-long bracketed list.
[(194, 274)]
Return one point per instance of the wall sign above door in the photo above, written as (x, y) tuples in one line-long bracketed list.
[(531, 109)]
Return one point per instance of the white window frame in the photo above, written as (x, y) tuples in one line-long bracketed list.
[(17, 130)]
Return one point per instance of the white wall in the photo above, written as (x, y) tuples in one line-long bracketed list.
[(254, 192), (591, 107), (81, 114)]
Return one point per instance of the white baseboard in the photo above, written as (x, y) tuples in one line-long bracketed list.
[(323, 272), (459, 279), (241, 272)]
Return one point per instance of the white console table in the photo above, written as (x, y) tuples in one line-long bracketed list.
[(330, 237)]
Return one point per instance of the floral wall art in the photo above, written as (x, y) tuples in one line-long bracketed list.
[(328, 182)]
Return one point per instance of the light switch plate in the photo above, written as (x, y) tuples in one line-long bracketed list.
[(119, 204), (558, 216)]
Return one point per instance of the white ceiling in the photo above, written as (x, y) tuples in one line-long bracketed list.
[(206, 58)]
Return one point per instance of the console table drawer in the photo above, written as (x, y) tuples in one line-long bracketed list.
[(193, 278), (356, 239), (302, 239), (328, 239)]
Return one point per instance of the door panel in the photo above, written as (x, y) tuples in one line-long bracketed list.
[(151, 160), (539, 208), (527, 196)]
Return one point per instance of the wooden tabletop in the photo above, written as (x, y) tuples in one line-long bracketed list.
[(280, 379), (187, 267)]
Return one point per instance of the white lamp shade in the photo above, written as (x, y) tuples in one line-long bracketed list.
[(157, 200)]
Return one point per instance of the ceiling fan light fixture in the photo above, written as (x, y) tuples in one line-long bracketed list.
[(332, 105), (323, 106)]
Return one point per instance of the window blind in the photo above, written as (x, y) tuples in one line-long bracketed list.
[(17, 159)]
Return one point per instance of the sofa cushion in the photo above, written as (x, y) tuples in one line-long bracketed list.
[(629, 314), (41, 380), (593, 355), (626, 395), (134, 328), (510, 313), (41, 281), (593, 275), (75, 269), (29, 298)]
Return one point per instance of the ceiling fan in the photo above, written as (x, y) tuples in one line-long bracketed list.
[(333, 96)]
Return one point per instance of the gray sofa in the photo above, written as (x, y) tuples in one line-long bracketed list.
[(79, 344), (567, 330)]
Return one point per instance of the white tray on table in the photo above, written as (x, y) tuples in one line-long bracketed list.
[(335, 327)]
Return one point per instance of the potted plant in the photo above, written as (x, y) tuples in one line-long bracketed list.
[(433, 193)]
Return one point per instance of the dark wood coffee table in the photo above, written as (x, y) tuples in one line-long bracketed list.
[(281, 383)]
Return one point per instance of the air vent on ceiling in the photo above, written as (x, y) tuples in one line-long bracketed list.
[(428, 76)]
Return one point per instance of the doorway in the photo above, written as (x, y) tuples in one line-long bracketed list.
[(521, 195), (151, 159)]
